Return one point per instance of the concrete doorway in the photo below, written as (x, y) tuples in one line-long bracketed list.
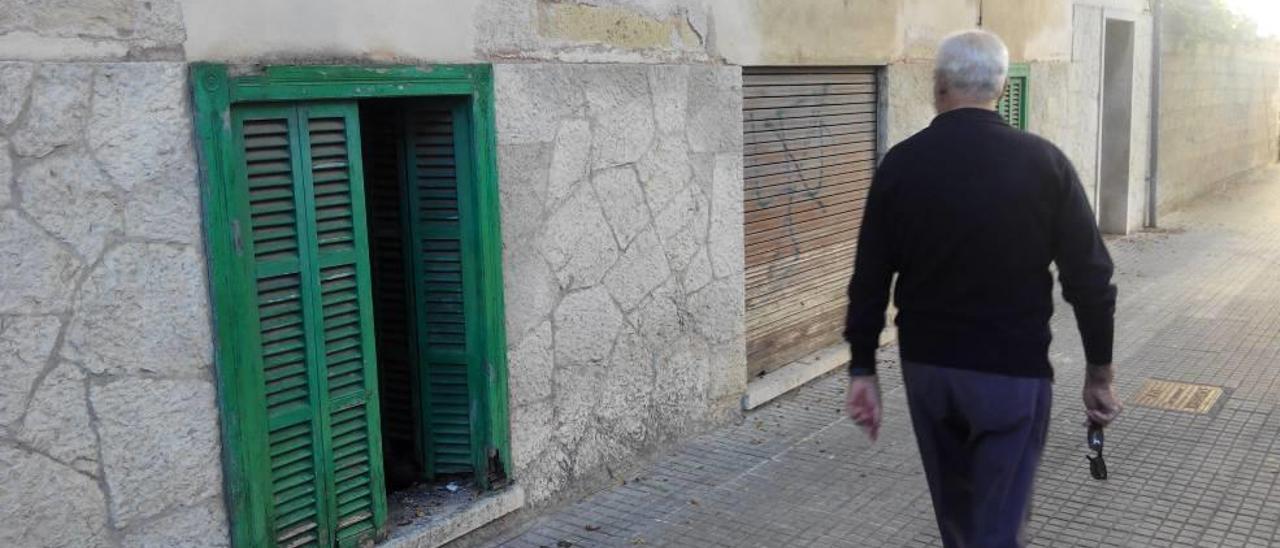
[(1117, 126)]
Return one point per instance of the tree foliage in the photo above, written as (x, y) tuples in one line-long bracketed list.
[(1207, 21)]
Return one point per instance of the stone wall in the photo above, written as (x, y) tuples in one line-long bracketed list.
[(1063, 103), (448, 31), (1219, 116), (1084, 92), (745, 32), (621, 192), (81, 30), (1058, 110), (908, 100), (108, 424)]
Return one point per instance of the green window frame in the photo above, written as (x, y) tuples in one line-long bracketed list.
[(291, 106), (1013, 102)]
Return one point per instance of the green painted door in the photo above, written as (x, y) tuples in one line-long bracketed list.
[(314, 456)]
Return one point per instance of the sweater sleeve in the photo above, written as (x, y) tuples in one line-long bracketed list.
[(872, 277), (1084, 268)]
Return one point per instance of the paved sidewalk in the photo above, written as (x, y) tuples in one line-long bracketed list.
[(1199, 302)]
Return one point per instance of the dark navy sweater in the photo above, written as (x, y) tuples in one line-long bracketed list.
[(969, 214)]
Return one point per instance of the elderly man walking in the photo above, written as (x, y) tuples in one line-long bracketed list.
[(969, 213)]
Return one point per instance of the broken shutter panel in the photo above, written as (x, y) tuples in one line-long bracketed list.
[(268, 136), (809, 148), (443, 288), (1013, 102), (341, 249), (315, 352)]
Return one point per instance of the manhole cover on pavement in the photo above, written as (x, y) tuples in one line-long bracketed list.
[(1178, 396)]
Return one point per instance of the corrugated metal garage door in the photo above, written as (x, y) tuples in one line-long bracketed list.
[(809, 150)]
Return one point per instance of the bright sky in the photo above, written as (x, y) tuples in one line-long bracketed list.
[(1265, 12)]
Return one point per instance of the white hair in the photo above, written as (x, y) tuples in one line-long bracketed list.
[(973, 63)]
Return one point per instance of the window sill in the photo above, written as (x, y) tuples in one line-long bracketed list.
[(449, 524)]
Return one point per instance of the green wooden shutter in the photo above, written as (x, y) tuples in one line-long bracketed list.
[(444, 288), (266, 136), (300, 183), (1013, 102)]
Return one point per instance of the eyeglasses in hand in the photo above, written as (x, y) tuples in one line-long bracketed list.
[(1097, 466)]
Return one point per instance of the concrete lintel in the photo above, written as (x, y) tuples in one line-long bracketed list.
[(798, 373), (448, 528)]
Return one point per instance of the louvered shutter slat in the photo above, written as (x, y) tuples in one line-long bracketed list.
[(442, 286), (271, 186), (1012, 104), (330, 159), (315, 350), (345, 322)]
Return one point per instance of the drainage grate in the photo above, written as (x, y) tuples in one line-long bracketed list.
[(1178, 396)]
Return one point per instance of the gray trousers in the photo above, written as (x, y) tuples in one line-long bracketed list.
[(981, 436)]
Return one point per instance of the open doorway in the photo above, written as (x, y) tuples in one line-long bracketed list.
[(1117, 126), (424, 287)]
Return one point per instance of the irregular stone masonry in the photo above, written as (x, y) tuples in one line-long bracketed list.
[(108, 422), (622, 218)]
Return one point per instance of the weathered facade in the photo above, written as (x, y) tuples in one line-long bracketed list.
[(619, 153)]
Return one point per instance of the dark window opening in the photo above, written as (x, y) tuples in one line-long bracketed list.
[(423, 291)]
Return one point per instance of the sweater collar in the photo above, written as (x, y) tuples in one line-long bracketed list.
[(967, 116)]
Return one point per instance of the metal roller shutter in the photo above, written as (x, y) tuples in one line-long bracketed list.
[(809, 149)]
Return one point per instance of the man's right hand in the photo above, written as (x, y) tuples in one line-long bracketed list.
[(1100, 403), (862, 403)]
